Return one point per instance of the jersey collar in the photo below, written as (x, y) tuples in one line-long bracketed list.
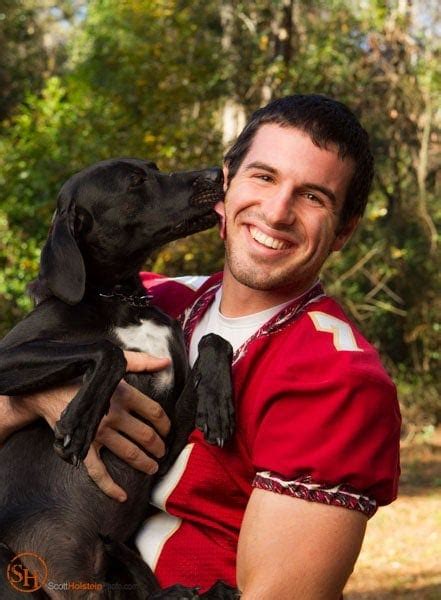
[(191, 317)]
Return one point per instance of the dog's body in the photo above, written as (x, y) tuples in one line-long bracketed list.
[(91, 306)]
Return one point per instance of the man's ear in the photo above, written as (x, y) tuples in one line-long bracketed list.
[(225, 171), (345, 233)]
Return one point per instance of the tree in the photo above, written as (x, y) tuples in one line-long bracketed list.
[(23, 57), (173, 80)]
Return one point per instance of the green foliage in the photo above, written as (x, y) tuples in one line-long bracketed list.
[(23, 56), (203, 254), (150, 78), (156, 66)]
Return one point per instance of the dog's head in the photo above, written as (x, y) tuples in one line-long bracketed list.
[(111, 215)]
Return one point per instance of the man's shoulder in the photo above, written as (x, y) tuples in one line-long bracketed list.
[(174, 294), (333, 330), (323, 342)]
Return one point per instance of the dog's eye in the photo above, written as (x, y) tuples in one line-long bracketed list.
[(136, 180)]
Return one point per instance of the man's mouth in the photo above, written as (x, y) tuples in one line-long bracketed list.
[(267, 240)]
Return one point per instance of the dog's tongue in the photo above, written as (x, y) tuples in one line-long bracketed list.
[(219, 209)]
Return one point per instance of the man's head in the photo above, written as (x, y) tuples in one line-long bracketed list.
[(327, 122), (298, 179)]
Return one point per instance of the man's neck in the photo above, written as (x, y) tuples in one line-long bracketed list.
[(239, 300)]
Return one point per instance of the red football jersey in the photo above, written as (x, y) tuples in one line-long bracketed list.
[(316, 417)]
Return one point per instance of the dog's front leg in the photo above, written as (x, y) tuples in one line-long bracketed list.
[(40, 364), (215, 408), (206, 400)]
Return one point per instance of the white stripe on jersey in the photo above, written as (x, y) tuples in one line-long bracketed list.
[(154, 534), (192, 281)]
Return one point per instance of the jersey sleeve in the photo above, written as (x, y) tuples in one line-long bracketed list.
[(172, 295), (330, 430)]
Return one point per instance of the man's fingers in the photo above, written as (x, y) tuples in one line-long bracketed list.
[(140, 361), (135, 401), (142, 434), (128, 452), (98, 473)]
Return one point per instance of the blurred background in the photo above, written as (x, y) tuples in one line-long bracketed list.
[(174, 81)]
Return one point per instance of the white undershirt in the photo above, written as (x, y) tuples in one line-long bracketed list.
[(236, 330)]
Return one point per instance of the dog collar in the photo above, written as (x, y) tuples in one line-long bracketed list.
[(133, 299)]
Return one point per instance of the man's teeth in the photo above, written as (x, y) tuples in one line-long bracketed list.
[(268, 241)]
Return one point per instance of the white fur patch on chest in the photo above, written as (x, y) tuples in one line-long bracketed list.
[(151, 338)]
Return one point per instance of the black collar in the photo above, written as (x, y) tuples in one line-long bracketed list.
[(126, 295)]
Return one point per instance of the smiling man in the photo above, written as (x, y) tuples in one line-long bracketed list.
[(281, 510)]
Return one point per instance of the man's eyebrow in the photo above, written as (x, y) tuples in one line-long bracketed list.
[(311, 186), (260, 165), (324, 190)]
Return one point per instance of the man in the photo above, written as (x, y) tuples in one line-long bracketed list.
[(282, 508)]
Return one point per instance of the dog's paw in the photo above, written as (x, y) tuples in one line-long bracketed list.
[(175, 592), (215, 412), (221, 591), (75, 431), (70, 452)]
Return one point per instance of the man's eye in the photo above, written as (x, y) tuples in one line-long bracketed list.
[(313, 198), (264, 177)]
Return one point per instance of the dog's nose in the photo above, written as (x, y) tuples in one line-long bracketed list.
[(214, 174)]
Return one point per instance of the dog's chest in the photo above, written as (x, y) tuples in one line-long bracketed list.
[(152, 338)]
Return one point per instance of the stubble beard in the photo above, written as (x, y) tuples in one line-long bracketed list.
[(252, 276)]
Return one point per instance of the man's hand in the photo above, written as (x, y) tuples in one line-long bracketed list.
[(120, 420), (120, 431), (14, 414)]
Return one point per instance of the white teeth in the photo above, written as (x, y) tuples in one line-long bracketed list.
[(268, 241)]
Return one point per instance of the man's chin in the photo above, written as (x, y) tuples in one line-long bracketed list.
[(261, 275), (261, 282)]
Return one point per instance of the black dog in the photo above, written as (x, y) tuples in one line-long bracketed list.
[(90, 306)]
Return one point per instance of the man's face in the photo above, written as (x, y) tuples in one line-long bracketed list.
[(282, 210)]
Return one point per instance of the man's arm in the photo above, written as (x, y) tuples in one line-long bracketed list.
[(290, 548), (120, 430), (13, 416)]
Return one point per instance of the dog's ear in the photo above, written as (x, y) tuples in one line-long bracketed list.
[(61, 263)]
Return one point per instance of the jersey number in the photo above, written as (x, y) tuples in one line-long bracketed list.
[(342, 334)]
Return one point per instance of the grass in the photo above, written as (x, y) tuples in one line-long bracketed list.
[(401, 554)]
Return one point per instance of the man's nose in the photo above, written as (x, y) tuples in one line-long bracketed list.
[(279, 209)]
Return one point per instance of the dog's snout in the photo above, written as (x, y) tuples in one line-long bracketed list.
[(214, 175)]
